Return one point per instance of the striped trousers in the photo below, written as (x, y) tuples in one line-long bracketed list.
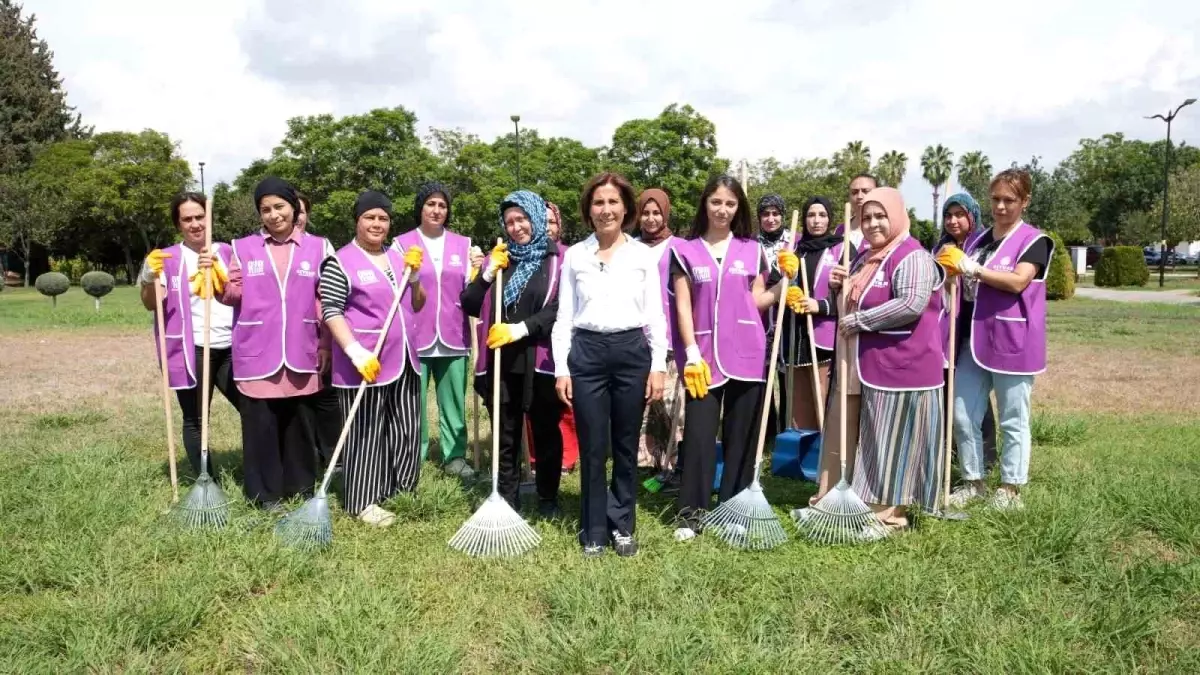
[(383, 449)]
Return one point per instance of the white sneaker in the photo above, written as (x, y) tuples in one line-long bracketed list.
[(874, 532), (684, 534), (377, 516), (966, 494), (1006, 500), (802, 515)]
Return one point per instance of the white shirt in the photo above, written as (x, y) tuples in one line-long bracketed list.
[(624, 294), (220, 333), (434, 252)]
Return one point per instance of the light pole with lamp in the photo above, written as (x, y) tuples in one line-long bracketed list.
[(1162, 255), (516, 120), (202, 178)]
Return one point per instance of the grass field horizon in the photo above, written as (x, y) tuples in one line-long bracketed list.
[(1100, 572)]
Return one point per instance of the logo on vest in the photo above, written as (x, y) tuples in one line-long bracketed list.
[(255, 268), (1005, 264), (174, 283), (702, 275), (455, 260), (739, 268), (367, 277), (305, 269)]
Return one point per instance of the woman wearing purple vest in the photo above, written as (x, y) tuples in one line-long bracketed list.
[(610, 356), (654, 226), (1004, 272), (891, 330), (442, 333), (358, 286), (521, 329), (279, 346), (719, 277), (177, 269), (961, 225)]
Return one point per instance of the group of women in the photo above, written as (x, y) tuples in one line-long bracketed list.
[(615, 343)]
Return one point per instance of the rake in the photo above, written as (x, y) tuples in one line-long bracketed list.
[(310, 527), (841, 517), (495, 529), (747, 521), (205, 504), (166, 385), (946, 512)]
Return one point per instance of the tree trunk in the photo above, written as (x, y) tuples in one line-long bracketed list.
[(97, 305), (935, 211), (129, 271), (54, 302), (25, 243)]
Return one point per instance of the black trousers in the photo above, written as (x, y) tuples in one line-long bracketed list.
[(278, 448), (741, 405), (544, 412), (221, 377), (988, 427), (327, 419), (608, 382)]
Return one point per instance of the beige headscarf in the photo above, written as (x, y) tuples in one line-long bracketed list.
[(893, 204)]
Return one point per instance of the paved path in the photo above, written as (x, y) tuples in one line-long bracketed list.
[(1178, 296)]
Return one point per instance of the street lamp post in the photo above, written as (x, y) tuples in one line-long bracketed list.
[(202, 178), (516, 120), (1162, 253)]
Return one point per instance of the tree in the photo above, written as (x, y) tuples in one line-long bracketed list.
[(798, 181), (853, 159), (676, 151), (937, 163), (974, 175), (234, 214), (1183, 217), (33, 104), (1055, 204), (891, 168)]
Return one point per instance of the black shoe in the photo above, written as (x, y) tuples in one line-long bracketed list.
[(548, 509), (593, 551), (624, 544)]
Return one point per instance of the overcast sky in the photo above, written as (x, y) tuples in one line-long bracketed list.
[(783, 78)]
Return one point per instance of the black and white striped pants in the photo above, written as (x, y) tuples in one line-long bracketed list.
[(383, 449)]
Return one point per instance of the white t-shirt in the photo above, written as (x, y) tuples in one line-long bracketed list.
[(220, 334), (435, 249)]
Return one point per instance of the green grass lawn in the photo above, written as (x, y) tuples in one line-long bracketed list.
[(1182, 280), (1100, 573)]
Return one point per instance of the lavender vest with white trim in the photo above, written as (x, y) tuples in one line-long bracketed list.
[(442, 317), (276, 323), (543, 355), (177, 317), (370, 298), (1008, 331)]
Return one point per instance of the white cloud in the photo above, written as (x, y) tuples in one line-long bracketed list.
[(789, 79)]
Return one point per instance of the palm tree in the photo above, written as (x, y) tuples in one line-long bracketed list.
[(855, 158), (937, 163), (974, 174), (891, 168)]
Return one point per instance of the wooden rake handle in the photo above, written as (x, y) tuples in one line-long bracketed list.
[(771, 369), (166, 385)]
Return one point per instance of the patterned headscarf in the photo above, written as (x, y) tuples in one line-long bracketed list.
[(765, 202), (526, 256), (969, 204)]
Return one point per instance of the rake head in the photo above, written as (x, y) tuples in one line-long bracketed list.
[(308, 528), (495, 530), (205, 505), (747, 521), (840, 518)]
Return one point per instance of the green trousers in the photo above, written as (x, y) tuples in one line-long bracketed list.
[(450, 383)]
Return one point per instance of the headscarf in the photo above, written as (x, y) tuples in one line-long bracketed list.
[(765, 202), (893, 205), (969, 204), (371, 199), (424, 192), (557, 216), (527, 257), (808, 242), (277, 187), (661, 199)]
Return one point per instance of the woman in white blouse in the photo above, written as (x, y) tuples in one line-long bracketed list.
[(610, 353)]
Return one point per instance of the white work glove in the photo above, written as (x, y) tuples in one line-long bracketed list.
[(968, 267), (364, 361)]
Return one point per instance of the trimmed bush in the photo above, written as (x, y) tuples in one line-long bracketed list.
[(52, 284), (1122, 266), (97, 285), (1060, 280)]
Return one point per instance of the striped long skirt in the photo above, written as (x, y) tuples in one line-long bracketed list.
[(900, 435), (383, 449)]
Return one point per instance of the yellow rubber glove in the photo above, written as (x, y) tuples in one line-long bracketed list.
[(219, 277), (370, 369), (364, 360), (413, 257), (499, 257), (696, 375), (155, 260), (795, 299), (789, 264), (501, 334), (950, 258)]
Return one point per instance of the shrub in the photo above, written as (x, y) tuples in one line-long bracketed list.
[(52, 284), (1060, 280), (1122, 266), (73, 268), (97, 285)]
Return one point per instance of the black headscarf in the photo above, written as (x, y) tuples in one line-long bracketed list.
[(808, 242), (765, 202), (277, 187), (424, 192), (372, 199)]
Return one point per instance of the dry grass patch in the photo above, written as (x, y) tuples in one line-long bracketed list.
[(1082, 378)]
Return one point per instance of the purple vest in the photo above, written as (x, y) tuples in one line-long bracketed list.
[(177, 318), (728, 326), (668, 292), (543, 358), (276, 324), (1008, 332), (442, 316), (825, 327), (904, 358), (371, 296), (957, 281)]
